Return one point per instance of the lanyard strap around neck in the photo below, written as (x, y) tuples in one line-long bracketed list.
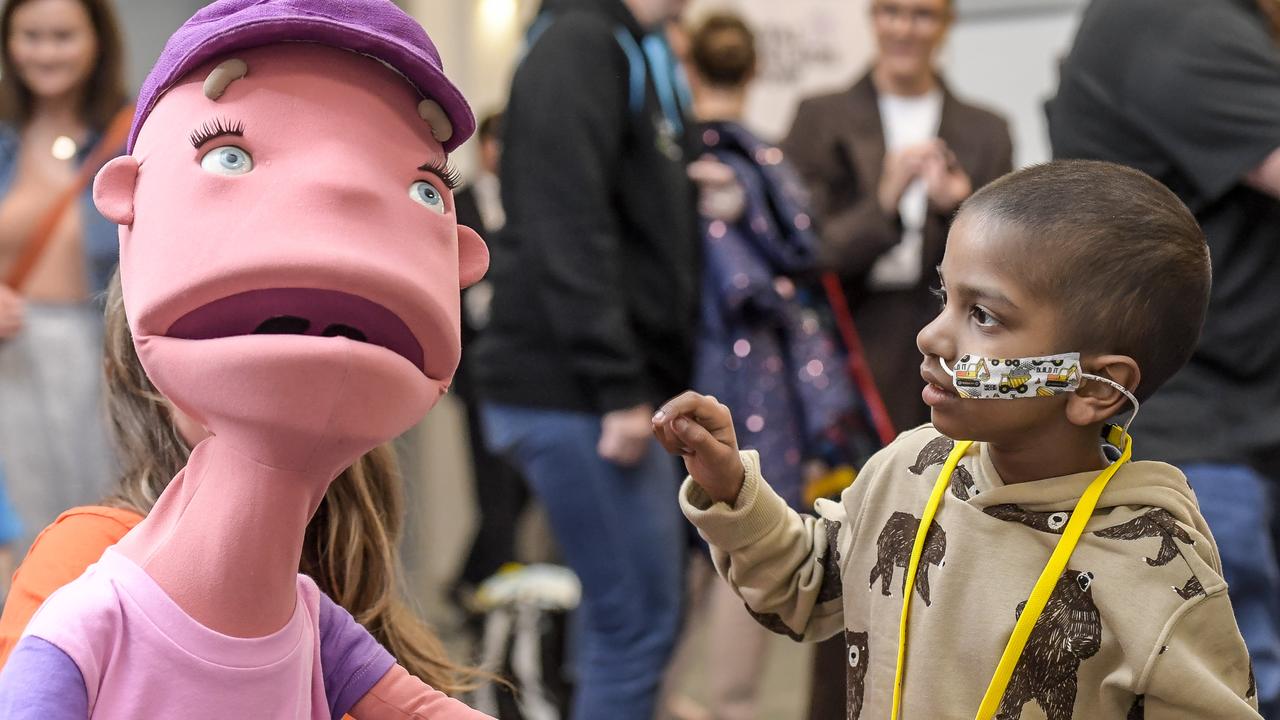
[(930, 509), (1039, 594)]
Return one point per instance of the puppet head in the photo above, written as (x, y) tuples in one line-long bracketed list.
[(290, 258)]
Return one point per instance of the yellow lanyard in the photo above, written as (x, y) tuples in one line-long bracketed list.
[(1039, 594)]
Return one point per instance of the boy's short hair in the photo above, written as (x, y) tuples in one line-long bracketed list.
[(1119, 253)]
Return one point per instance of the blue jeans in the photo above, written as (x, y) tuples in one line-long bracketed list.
[(621, 531), (1239, 505)]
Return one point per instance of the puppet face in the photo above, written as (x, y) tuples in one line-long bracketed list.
[(293, 265)]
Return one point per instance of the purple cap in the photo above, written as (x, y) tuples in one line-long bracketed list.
[(372, 27)]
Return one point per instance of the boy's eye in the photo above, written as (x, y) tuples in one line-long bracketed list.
[(940, 293), (982, 317)]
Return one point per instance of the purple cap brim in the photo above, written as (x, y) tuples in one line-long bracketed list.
[(371, 27)]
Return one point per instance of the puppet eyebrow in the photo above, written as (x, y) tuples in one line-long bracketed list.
[(215, 128), (222, 76), (448, 174)]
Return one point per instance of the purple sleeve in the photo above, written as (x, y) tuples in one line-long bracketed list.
[(350, 658), (41, 682)]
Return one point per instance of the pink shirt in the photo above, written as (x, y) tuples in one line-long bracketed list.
[(140, 655)]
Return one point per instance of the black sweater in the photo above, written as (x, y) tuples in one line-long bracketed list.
[(596, 273)]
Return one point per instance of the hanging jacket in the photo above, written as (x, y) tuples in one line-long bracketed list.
[(763, 347)]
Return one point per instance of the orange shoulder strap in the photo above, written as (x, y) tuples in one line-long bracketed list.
[(110, 145)]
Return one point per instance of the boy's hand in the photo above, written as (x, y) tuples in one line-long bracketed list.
[(700, 429)]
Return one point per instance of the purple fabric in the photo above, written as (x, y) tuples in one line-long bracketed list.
[(373, 27), (351, 660), (40, 682)]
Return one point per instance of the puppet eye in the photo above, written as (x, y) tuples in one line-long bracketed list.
[(227, 160), (426, 194)]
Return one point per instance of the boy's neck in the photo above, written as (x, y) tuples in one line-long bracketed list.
[(1050, 454)]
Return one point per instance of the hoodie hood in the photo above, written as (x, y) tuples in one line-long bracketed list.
[(1138, 489)]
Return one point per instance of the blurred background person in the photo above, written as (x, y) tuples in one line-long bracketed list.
[(595, 281), (888, 161), (1189, 92), (63, 107)]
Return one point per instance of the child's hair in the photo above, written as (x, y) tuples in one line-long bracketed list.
[(490, 128), (723, 50), (351, 543), (1118, 253)]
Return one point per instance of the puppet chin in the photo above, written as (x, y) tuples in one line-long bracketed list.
[(293, 402)]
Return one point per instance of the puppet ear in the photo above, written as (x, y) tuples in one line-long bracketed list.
[(473, 257), (113, 189)]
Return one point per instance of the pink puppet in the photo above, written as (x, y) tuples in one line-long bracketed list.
[(291, 269)]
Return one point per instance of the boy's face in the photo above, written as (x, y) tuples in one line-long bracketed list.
[(987, 312)]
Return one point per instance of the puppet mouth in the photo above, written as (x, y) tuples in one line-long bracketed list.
[(300, 311)]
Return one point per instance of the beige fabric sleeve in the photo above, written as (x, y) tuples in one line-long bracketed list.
[(785, 566), (1201, 669)]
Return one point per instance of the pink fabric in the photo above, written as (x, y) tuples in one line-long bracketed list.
[(142, 656)]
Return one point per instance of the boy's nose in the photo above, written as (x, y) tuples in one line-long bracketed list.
[(933, 340)]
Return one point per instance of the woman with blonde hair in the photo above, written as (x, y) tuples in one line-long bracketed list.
[(350, 549)]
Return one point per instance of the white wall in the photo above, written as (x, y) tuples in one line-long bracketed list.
[(146, 25), (1009, 62)]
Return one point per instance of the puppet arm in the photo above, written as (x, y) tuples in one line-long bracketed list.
[(362, 678), (41, 682), (401, 696)]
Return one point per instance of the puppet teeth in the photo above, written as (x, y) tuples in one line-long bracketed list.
[(441, 128), (222, 76)]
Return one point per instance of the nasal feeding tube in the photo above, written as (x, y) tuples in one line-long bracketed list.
[(983, 378)]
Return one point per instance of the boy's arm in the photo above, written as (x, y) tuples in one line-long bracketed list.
[(41, 682), (786, 567), (360, 676), (1201, 669)]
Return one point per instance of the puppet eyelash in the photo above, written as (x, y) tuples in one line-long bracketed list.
[(211, 130), (446, 172)]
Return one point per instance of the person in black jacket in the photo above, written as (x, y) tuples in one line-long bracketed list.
[(595, 304), (1188, 91)]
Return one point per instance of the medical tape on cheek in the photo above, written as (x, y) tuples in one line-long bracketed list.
[(983, 378), (995, 378)]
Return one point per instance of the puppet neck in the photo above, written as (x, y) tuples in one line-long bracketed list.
[(225, 539)]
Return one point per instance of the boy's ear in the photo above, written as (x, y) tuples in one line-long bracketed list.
[(1096, 402), (473, 257), (113, 189)]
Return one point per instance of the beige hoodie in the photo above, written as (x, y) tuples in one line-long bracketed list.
[(1139, 620)]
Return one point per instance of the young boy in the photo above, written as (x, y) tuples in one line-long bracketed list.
[(1067, 257)]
